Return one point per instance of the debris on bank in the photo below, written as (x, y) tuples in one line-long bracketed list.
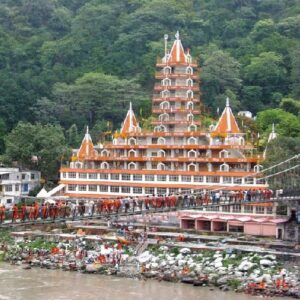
[(251, 273)]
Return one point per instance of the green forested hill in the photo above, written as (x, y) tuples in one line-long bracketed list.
[(80, 62)]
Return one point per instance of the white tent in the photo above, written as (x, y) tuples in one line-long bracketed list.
[(42, 193)]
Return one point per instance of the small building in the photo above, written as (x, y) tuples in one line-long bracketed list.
[(233, 223), (245, 113), (15, 183)]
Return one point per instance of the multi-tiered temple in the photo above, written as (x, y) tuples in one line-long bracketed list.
[(178, 155)]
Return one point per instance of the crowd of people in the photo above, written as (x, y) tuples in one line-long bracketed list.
[(79, 208)]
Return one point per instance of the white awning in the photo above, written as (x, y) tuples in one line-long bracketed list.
[(55, 190)]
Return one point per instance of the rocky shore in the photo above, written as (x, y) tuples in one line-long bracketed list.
[(250, 273)]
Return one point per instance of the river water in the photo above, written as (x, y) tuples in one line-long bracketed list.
[(19, 284)]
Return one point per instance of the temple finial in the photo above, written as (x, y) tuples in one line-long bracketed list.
[(177, 35), (273, 128), (87, 129), (227, 102), (166, 44), (130, 106)]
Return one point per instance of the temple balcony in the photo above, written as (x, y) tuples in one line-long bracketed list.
[(159, 75), (161, 64), (175, 99), (173, 121), (159, 87), (158, 110)]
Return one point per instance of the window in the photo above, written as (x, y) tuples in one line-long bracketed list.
[(237, 180), (198, 179), (64, 175), (149, 191), (249, 180), (161, 177), (83, 175), (260, 210), (32, 176), (173, 178), (93, 188), (72, 187), (104, 176), (115, 189), (103, 188), (161, 191), (17, 187), (8, 188), (186, 178), (227, 179), (93, 176), (269, 210), (114, 176), (125, 189), (212, 179), (137, 177), (248, 209), (72, 175), (137, 190), (236, 208), (23, 176), (149, 178), (9, 201), (82, 187), (125, 177)]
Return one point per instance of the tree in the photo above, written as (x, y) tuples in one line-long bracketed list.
[(94, 97), (290, 105), (286, 123), (37, 146), (220, 72)]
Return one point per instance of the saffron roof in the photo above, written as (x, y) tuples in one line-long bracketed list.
[(177, 54), (130, 123), (86, 149), (227, 122)]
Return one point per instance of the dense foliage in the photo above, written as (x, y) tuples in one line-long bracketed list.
[(72, 63)]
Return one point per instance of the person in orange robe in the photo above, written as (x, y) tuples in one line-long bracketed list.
[(2, 213), (14, 213)]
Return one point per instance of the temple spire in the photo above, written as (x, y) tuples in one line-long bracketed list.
[(86, 149), (177, 54), (272, 136), (130, 123), (227, 122)]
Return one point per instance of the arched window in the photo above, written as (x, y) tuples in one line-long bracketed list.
[(223, 154), (192, 127), (258, 168), (192, 141), (164, 117), (189, 94), (104, 165), (192, 167), (166, 82), (190, 105), (161, 141), (165, 105), (192, 153), (161, 166), (132, 141), (78, 165), (189, 82), (208, 153), (189, 70), (167, 70), (224, 167), (188, 58), (161, 153), (190, 117), (131, 166), (132, 153), (241, 140), (105, 152), (165, 94)]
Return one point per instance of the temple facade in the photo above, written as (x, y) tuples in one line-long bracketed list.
[(177, 156)]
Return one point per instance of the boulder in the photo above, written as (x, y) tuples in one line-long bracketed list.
[(245, 266), (266, 262)]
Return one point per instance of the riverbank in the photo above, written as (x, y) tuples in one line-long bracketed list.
[(250, 273), (34, 284)]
